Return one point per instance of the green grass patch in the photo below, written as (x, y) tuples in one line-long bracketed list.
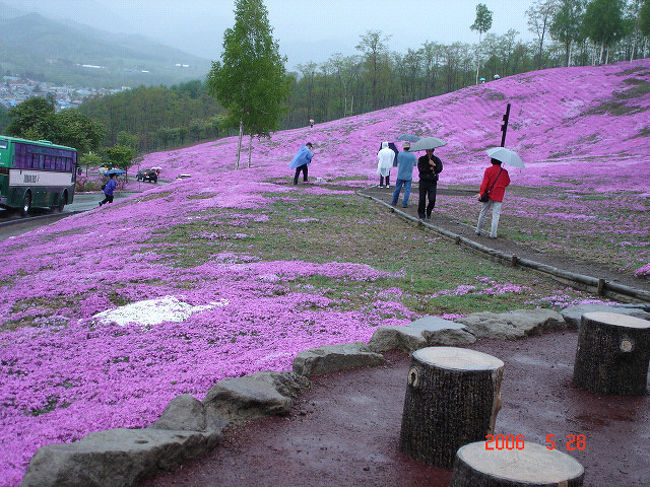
[(351, 229)]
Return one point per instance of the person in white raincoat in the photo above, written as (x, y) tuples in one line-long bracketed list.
[(385, 157)]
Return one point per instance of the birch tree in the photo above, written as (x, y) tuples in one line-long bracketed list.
[(250, 81)]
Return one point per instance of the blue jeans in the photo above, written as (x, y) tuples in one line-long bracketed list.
[(407, 191)]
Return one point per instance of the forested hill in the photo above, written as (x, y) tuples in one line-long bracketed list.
[(49, 50)]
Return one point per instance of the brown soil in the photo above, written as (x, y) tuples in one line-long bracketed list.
[(345, 430), (561, 261)]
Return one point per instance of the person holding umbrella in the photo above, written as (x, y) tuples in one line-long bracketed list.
[(406, 161), (493, 187), (109, 187), (429, 167)]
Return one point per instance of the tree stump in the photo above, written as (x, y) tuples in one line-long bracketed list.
[(532, 466), (452, 398), (613, 354)]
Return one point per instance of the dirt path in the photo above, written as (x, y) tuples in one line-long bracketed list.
[(561, 261), (344, 431)]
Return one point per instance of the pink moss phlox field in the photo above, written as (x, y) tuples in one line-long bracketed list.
[(64, 374), (568, 124)]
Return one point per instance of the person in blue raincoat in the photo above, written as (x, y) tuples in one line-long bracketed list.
[(301, 162), (108, 188)]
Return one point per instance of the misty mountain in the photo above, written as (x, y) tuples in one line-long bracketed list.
[(79, 55)]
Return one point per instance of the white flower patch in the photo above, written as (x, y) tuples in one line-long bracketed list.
[(269, 278), (154, 311)]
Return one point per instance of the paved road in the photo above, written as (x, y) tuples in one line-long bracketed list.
[(11, 224)]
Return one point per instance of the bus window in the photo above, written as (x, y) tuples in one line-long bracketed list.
[(49, 162)]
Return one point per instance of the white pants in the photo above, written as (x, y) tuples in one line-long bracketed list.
[(496, 214)]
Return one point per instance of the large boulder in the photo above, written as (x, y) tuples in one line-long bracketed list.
[(513, 324), (115, 458), (185, 413), (331, 358), (573, 314), (255, 395), (424, 332)]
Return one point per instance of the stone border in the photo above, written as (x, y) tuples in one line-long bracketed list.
[(189, 428)]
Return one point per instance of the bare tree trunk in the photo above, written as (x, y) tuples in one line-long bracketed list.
[(241, 134), (478, 58), (606, 55), (250, 149), (602, 49), (570, 53)]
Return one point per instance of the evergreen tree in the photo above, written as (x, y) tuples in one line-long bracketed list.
[(250, 81), (482, 24)]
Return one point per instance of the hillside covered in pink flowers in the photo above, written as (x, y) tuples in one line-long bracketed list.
[(568, 124), (250, 270)]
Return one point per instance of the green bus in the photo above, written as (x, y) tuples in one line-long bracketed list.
[(36, 174)]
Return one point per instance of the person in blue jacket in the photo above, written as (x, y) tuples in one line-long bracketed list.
[(406, 161), (108, 190), (301, 161)]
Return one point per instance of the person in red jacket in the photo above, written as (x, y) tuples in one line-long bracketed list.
[(495, 180)]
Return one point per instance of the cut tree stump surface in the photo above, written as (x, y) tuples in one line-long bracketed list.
[(535, 465), (458, 358), (617, 319)]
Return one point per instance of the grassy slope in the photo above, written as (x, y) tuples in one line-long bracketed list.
[(291, 268)]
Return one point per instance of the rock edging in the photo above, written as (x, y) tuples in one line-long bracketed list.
[(189, 428)]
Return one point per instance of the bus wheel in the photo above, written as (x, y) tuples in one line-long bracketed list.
[(63, 200), (27, 203)]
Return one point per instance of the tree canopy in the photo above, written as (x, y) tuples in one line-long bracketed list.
[(644, 18), (35, 119), (250, 81), (603, 22)]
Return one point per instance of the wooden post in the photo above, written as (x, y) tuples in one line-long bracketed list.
[(452, 398), (532, 466), (613, 354), (504, 127)]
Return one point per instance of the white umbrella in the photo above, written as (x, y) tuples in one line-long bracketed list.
[(427, 143), (506, 156)]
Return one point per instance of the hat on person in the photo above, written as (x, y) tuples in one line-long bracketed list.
[(309, 144)]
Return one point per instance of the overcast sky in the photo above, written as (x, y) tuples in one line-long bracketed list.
[(306, 30)]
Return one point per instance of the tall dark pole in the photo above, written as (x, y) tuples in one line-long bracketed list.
[(504, 127)]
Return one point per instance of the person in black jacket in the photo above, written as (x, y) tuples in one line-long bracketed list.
[(429, 166)]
